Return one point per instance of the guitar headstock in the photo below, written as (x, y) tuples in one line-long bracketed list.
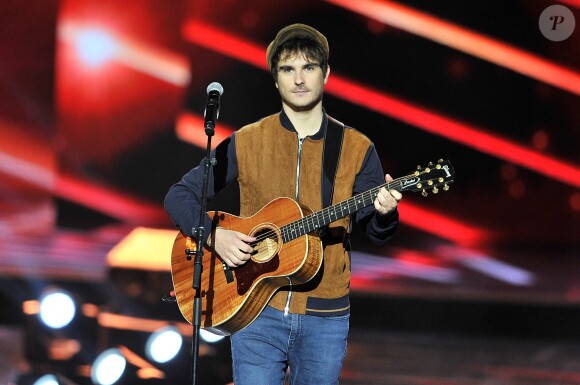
[(429, 178)]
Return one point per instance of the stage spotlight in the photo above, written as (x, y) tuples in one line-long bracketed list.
[(57, 308), (47, 379), (60, 333), (108, 367), (95, 47), (44, 379), (121, 365), (164, 344), (210, 337)]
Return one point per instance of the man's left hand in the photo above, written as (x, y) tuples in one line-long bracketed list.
[(387, 200)]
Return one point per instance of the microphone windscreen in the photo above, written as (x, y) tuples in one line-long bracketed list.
[(215, 86)]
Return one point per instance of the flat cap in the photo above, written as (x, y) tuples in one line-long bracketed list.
[(291, 31)]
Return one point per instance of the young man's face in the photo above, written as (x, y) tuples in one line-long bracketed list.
[(300, 82)]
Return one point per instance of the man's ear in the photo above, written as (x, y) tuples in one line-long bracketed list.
[(327, 73)]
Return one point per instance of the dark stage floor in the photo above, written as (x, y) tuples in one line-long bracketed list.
[(389, 357)]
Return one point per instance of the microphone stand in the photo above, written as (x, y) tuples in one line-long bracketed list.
[(197, 265)]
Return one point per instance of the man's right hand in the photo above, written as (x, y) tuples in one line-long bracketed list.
[(232, 246)]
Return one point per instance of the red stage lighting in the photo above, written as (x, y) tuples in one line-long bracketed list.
[(95, 47)]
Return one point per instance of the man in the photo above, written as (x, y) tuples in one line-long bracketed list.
[(304, 327)]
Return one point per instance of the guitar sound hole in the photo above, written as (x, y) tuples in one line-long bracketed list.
[(268, 243)]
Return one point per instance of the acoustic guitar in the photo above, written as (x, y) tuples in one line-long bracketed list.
[(288, 251)]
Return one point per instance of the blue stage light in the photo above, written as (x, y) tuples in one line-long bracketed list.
[(57, 308)]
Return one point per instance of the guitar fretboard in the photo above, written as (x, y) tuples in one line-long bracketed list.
[(329, 214)]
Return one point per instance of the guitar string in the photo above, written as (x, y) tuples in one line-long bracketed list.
[(311, 222), (310, 219)]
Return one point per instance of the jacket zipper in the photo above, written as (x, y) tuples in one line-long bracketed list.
[(300, 141)]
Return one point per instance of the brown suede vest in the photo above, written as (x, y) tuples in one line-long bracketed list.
[(267, 155)]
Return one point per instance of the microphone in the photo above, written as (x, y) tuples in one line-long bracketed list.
[(212, 107)]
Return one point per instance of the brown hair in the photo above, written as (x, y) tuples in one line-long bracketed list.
[(299, 45)]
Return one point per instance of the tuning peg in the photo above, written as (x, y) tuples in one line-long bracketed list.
[(445, 187), (424, 193), (430, 164), (440, 161), (418, 172), (435, 190)]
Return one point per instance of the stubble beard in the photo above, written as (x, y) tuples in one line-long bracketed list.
[(303, 108)]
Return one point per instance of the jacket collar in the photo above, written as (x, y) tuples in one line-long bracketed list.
[(287, 124)]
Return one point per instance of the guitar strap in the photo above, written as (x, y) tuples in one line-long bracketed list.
[(333, 138)]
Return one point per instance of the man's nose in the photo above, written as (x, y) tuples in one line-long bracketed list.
[(299, 79)]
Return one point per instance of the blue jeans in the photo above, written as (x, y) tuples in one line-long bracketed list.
[(313, 347)]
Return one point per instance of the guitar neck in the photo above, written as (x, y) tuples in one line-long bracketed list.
[(330, 214), (428, 178)]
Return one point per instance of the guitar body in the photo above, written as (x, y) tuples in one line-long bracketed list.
[(228, 307)]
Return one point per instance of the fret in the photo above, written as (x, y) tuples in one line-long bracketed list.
[(307, 224), (302, 226), (333, 211)]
